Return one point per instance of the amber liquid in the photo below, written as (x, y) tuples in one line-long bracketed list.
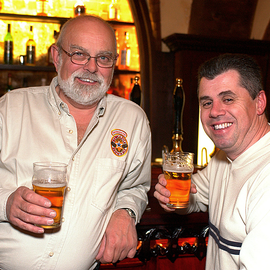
[(53, 191), (178, 183)]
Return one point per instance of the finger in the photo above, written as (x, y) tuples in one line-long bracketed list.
[(193, 188), (34, 198), (101, 249), (35, 210), (44, 216), (29, 227), (166, 208), (163, 191), (131, 247), (162, 180), (108, 253), (131, 253), (163, 201), (32, 227)]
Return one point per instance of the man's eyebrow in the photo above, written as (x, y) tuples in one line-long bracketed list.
[(105, 52), (221, 94), (205, 98), (228, 92), (77, 47)]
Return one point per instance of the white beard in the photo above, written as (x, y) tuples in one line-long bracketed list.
[(83, 94)]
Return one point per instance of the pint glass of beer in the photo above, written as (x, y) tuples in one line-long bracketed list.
[(50, 180), (177, 168)]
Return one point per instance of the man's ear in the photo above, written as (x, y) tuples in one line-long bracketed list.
[(55, 56), (261, 102)]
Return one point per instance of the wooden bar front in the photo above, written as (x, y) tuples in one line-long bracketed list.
[(167, 241)]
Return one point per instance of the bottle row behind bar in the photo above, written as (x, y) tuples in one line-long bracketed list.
[(122, 84), (107, 9), (42, 36)]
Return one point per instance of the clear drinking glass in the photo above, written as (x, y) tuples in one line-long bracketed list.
[(178, 168), (50, 181)]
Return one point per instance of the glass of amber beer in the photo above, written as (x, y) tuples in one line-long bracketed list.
[(178, 168), (50, 180)]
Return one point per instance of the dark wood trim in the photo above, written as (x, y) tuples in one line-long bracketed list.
[(180, 42), (145, 41), (154, 11)]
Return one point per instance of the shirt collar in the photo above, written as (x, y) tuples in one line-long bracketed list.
[(258, 148)]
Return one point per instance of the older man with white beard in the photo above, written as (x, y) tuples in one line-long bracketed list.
[(74, 121)]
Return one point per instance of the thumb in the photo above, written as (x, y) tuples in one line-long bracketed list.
[(101, 248), (193, 189)]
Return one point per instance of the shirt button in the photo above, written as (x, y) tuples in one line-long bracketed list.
[(63, 219), (68, 189), (51, 254), (70, 131)]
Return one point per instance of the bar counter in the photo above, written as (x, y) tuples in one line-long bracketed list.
[(167, 241)]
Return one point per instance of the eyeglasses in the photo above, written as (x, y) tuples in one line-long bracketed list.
[(81, 58)]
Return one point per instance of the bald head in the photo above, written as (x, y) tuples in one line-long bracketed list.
[(86, 25)]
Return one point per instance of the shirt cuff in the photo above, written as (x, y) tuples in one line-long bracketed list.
[(4, 195)]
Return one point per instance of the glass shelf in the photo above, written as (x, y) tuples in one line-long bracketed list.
[(27, 68), (48, 19), (52, 69), (32, 18)]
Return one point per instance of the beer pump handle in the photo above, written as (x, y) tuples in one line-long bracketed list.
[(178, 105)]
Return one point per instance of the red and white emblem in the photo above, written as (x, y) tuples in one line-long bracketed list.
[(119, 142)]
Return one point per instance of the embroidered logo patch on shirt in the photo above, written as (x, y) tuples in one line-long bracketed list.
[(119, 142)]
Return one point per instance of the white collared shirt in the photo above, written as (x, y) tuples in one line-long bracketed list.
[(108, 170)]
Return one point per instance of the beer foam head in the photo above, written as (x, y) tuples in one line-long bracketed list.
[(172, 167), (46, 183), (178, 162)]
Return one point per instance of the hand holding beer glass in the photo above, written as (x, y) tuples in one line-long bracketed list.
[(50, 180), (178, 168)]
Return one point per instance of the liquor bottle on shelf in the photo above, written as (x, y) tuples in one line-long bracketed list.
[(79, 8), (42, 7), (25, 82), (125, 53), (117, 47), (9, 83), (104, 11), (136, 92), (178, 102), (114, 11), (8, 50), (31, 49), (49, 55), (129, 89)]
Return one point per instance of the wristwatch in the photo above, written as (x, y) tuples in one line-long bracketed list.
[(130, 212)]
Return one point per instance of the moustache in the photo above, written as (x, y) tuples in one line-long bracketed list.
[(87, 77)]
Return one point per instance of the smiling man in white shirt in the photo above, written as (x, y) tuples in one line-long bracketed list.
[(235, 185), (104, 139)]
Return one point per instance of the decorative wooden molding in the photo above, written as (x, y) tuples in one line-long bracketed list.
[(179, 42)]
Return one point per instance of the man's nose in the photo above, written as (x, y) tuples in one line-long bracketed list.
[(217, 109), (91, 65)]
